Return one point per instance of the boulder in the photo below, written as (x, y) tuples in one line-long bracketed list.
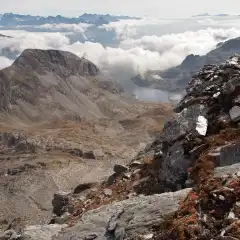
[(61, 203), (119, 169), (41, 232), (75, 152), (128, 218), (9, 235), (83, 187), (235, 114), (89, 155), (173, 170), (188, 120)]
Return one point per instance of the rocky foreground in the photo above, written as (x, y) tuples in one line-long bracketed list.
[(184, 185)]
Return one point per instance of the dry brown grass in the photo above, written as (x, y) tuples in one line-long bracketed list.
[(205, 164)]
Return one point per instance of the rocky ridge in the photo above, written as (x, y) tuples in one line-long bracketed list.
[(198, 148)]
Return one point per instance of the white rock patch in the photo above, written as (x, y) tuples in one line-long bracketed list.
[(202, 125)]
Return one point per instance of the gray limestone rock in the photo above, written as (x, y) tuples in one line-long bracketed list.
[(128, 218), (183, 123), (229, 155), (227, 170), (173, 171), (235, 114), (9, 235), (42, 232)]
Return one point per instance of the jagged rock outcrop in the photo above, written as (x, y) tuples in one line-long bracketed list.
[(207, 108)]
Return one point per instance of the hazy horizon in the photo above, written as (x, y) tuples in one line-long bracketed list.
[(150, 8)]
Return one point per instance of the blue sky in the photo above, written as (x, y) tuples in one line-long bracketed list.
[(151, 8)]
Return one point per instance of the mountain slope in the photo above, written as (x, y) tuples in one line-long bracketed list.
[(40, 81), (176, 79)]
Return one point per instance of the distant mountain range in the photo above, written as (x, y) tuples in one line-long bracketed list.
[(212, 15), (11, 19)]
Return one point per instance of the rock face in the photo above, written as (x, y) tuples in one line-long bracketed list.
[(210, 95), (176, 79), (204, 135)]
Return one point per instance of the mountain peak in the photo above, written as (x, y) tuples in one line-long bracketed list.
[(46, 84), (60, 62)]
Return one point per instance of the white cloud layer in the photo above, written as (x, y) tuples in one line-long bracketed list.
[(137, 52), (129, 28), (5, 62), (151, 52), (21, 40), (80, 27)]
